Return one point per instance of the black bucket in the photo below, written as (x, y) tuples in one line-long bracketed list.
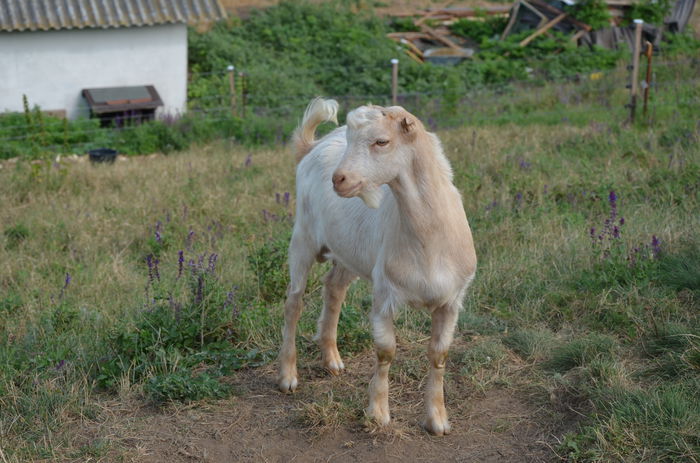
[(107, 155)]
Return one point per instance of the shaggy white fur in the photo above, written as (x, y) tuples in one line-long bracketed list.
[(376, 198)]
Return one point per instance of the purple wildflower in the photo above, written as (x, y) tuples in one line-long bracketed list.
[(612, 199), (616, 232), (277, 198), (286, 198), (546, 189), (189, 240), (524, 165), (230, 296), (592, 232), (67, 281), (180, 261), (158, 225), (622, 221), (149, 262), (249, 160), (655, 246), (59, 366), (212, 262)]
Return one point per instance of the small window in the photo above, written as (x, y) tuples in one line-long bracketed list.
[(123, 106)]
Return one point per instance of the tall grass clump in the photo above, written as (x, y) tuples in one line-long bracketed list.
[(581, 351)]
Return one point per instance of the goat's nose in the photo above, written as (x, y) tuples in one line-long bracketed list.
[(338, 180)]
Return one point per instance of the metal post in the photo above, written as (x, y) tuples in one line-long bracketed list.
[(636, 50), (394, 80), (647, 84), (232, 87)]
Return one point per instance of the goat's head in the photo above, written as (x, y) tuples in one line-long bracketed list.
[(379, 142)]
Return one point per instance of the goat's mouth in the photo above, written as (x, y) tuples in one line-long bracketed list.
[(349, 192)]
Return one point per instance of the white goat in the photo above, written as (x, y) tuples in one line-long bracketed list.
[(413, 241)]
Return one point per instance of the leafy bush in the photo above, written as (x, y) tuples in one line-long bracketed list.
[(294, 51), (651, 11), (487, 28), (595, 13)]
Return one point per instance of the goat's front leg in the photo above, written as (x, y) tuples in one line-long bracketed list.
[(444, 320), (300, 261), (385, 347), (334, 290)]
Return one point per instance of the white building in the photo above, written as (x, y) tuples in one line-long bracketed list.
[(51, 50)]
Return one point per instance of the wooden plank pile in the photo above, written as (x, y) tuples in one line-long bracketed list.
[(433, 37), (433, 25)]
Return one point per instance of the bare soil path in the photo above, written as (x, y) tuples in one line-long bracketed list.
[(323, 421)]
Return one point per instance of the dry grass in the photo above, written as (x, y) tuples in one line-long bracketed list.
[(97, 223)]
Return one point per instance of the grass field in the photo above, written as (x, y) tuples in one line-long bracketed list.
[(159, 280)]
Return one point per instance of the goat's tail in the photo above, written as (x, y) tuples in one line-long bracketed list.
[(318, 111)]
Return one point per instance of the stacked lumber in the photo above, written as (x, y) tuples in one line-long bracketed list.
[(434, 32)]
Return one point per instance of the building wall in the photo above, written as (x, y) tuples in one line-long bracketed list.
[(52, 67)]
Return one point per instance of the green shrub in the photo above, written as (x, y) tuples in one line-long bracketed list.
[(595, 13), (269, 264), (487, 28), (651, 11), (185, 386)]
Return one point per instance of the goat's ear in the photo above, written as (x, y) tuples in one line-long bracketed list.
[(407, 125)]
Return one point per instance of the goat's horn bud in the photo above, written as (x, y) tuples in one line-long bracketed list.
[(407, 125)]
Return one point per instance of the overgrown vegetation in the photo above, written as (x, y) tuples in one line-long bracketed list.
[(289, 53)]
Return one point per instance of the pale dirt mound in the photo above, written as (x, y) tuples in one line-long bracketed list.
[(323, 422)]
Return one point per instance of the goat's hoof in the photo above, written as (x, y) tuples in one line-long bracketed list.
[(331, 359), (381, 417), (437, 426), (287, 383), (334, 366)]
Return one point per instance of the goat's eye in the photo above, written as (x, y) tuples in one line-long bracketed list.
[(381, 142)]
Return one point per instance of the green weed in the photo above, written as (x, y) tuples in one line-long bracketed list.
[(581, 351)]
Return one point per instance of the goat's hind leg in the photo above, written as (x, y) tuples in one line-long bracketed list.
[(301, 258), (444, 321), (335, 288)]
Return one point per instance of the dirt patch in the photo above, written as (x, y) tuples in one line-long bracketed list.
[(323, 421)]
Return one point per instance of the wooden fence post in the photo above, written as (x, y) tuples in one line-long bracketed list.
[(636, 50), (232, 87), (394, 81), (244, 92), (647, 83)]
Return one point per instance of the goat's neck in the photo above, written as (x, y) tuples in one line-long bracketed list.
[(426, 198)]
